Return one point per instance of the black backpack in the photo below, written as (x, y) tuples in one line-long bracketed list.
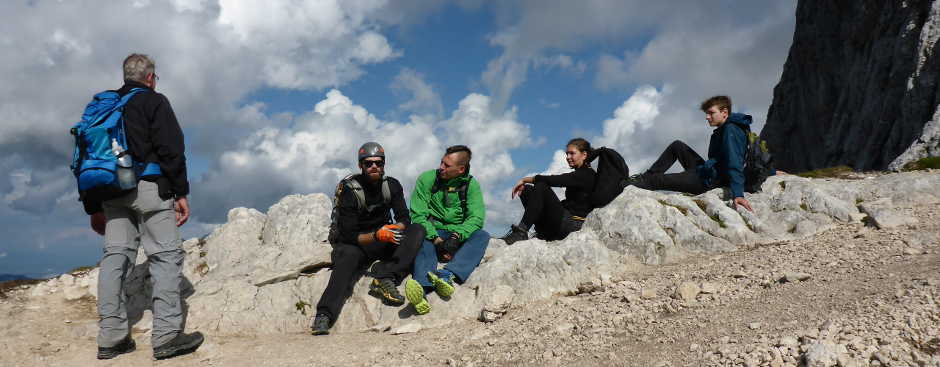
[(758, 162), (611, 178), (349, 182)]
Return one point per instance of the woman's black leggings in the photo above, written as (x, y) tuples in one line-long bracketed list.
[(544, 211)]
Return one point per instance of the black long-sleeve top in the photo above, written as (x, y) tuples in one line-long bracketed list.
[(353, 221), (578, 185), (153, 136)]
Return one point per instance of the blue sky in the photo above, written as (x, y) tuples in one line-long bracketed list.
[(274, 97)]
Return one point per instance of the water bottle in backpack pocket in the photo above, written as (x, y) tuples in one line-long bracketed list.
[(126, 177)]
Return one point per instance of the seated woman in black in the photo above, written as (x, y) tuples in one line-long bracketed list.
[(554, 219)]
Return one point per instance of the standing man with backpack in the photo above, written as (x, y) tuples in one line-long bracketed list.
[(362, 232), (725, 167), (448, 203), (145, 209)]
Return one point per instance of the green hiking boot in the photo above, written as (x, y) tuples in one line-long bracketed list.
[(443, 287), (414, 292), (385, 289)]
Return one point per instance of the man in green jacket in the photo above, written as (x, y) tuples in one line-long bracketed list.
[(448, 202)]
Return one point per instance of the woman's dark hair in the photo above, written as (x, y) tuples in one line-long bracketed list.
[(581, 144)]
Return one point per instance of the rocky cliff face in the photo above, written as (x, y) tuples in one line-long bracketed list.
[(859, 85)]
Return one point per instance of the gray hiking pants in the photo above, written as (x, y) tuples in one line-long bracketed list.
[(140, 217)]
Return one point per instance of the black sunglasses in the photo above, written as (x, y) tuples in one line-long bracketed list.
[(368, 164)]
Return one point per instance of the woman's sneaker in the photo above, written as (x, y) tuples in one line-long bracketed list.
[(515, 234), (444, 286), (414, 292)]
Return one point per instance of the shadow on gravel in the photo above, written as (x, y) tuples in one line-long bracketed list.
[(139, 292)]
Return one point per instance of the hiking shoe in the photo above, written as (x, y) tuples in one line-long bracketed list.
[(414, 292), (385, 289), (515, 234), (125, 346), (180, 345), (443, 286), (321, 324)]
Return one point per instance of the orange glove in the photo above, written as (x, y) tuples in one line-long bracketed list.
[(390, 233)]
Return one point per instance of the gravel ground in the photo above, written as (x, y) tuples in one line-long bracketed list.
[(849, 296)]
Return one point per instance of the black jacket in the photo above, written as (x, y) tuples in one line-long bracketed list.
[(153, 135), (352, 221), (578, 185)]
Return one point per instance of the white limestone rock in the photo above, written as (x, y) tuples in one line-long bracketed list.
[(264, 273)]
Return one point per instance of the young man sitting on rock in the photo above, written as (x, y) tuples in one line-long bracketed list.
[(363, 232), (448, 203), (726, 153)]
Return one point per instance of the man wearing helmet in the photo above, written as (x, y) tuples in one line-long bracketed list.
[(363, 231)]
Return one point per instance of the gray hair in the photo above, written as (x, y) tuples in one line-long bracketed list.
[(137, 66)]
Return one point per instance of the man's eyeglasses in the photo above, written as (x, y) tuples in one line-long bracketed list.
[(368, 164)]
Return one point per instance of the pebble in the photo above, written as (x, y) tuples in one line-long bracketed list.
[(409, 328), (913, 251), (790, 277), (686, 291)]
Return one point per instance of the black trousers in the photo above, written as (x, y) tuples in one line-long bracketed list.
[(349, 260), (543, 210), (688, 181)]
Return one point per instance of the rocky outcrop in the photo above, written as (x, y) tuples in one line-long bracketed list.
[(927, 145), (858, 86), (263, 273)]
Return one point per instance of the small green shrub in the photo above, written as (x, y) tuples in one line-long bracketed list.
[(829, 172), (302, 307), (681, 209), (922, 164), (717, 219)]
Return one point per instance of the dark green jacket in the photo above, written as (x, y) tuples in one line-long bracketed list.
[(442, 210)]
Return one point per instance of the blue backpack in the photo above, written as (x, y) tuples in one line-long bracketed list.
[(101, 162)]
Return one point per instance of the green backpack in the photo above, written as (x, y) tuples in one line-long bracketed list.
[(758, 163)]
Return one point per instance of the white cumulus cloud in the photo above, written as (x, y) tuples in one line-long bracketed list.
[(318, 148)]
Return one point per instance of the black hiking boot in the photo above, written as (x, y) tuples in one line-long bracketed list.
[(321, 324), (180, 345), (385, 290), (515, 234), (125, 346)]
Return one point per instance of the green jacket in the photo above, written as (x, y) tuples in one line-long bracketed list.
[(430, 211)]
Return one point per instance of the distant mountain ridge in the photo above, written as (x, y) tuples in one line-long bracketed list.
[(9, 277)]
